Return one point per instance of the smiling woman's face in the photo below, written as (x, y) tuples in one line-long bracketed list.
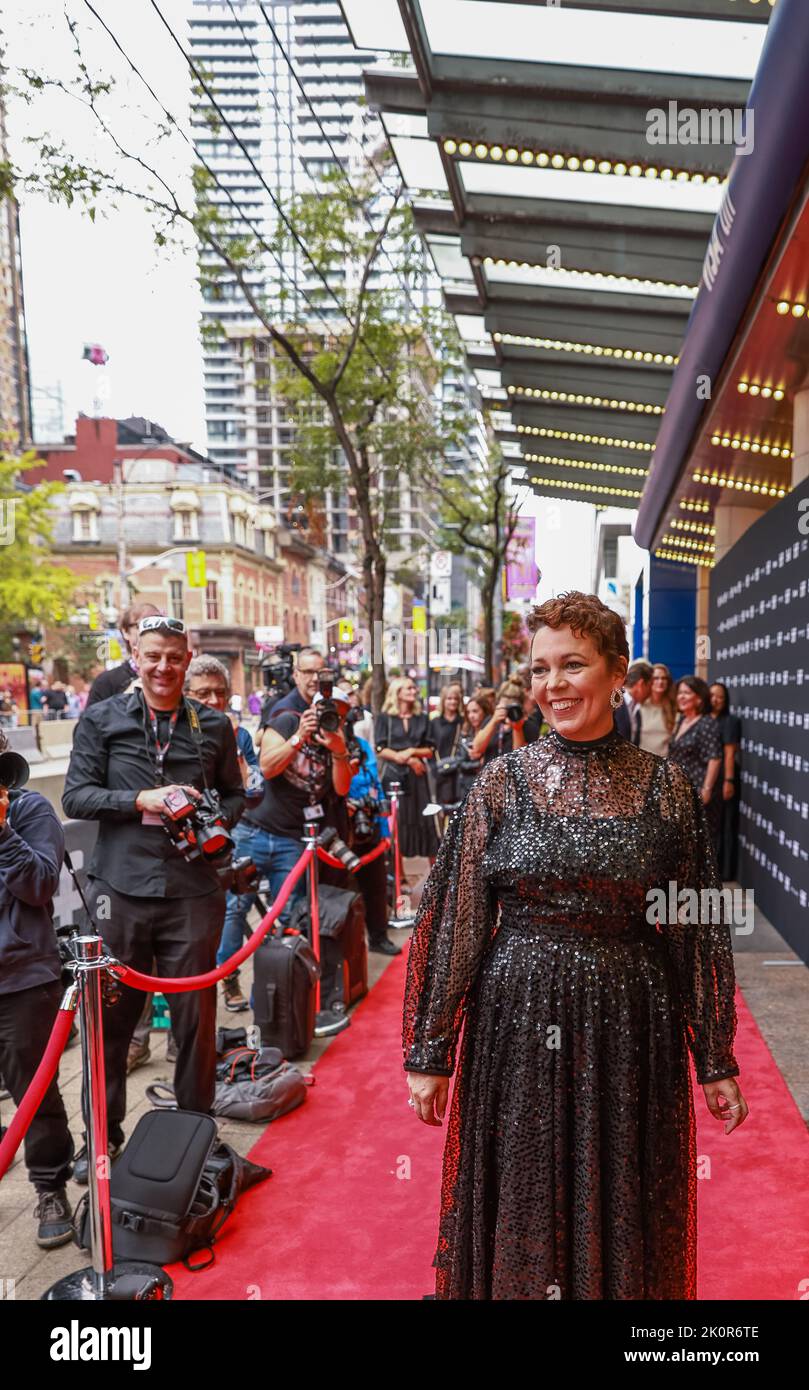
[(572, 682)]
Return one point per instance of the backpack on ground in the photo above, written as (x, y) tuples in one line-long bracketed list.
[(171, 1190)]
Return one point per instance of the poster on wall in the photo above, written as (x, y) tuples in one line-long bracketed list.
[(759, 629), (14, 689)]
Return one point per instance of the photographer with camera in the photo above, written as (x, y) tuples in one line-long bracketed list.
[(504, 731), (367, 808), (161, 775), (208, 681), (305, 764), (32, 847)]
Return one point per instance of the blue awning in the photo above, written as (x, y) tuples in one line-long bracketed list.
[(761, 189)]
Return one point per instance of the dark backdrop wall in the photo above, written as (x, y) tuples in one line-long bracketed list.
[(759, 628)]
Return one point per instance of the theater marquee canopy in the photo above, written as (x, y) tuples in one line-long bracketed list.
[(566, 166)]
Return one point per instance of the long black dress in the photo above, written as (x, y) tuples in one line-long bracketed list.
[(417, 834), (692, 751), (569, 1165)]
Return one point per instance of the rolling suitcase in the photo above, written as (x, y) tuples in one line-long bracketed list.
[(284, 979), (343, 945)]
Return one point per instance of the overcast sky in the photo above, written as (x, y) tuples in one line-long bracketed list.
[(106, 282)]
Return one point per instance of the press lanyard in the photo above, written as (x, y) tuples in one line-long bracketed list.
[(161, 749)]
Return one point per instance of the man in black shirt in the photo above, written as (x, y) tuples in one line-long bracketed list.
[(305, 773), (152, 903), (115, 682), (31, 849)]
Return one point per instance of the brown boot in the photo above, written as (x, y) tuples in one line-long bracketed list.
[(234, 999)]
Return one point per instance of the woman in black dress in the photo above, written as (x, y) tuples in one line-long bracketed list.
[(730, 732), (403, 744), (696, 747), (570, 1160), (447, 730)]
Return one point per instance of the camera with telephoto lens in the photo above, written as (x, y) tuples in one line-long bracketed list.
[(329, 840), (514, 713), (14, 770), (328, 715), (197, 829), (276, 674), (364, 812)]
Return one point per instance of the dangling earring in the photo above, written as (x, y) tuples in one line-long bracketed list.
[(616, 698)]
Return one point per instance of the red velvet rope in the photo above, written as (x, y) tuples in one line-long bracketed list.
[(149, 983), (35, 1094), (366, 858)]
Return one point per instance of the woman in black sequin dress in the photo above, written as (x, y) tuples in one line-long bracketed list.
[(696, 747), (569, 1164)]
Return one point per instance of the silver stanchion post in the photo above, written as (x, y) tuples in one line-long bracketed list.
[(310, 833), (105, 1279), (401, 919)]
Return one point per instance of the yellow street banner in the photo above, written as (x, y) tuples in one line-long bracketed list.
[(195, 569), (419, 617), (346, 631)]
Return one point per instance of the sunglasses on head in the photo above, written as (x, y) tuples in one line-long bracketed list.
[(161, 624)]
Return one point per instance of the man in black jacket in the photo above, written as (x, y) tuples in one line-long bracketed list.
[(150, 901), (31, 850)]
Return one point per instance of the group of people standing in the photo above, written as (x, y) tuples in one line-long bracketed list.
[(690, 723)]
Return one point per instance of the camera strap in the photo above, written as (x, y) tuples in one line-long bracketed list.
[(161, 749)]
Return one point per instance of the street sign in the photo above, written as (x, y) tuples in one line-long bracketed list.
[(419, 617), (346, 631), (195, 569), (441, 564), (268, 636)]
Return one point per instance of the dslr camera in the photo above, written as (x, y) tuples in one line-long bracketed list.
[(328, 715), (197, 830), (364, 823), (515, 713)]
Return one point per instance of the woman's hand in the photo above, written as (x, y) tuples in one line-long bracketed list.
[(734, 1111), (728, 789), (429, 1095), (705, 796), (417, 766)]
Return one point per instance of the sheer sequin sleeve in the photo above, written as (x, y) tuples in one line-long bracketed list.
[(455, 923), (700, 948)]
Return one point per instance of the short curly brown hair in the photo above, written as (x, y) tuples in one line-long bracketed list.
[(586, 616)]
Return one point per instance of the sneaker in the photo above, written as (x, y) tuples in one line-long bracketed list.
[(171, 1048), (234, 999), (80, 1166), (385, 947), (55, 1218), (332, 1020), (138, 1054)]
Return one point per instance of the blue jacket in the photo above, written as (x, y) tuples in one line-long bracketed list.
[(32, 846), (366, 781)]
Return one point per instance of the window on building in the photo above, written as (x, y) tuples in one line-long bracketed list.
[(176, 599), (212, 601), (610, 557), (85, 525), (107, 593), (185, 526)]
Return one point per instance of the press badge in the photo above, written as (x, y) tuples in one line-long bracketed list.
[(150, 818), (313, 812)]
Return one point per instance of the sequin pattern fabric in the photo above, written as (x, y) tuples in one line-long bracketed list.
[(569, 1161)]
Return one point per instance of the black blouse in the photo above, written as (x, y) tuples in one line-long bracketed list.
[(695, 749)]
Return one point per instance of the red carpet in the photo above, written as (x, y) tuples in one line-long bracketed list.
[(352, 1207)]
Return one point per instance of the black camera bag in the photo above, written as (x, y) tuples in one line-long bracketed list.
[(171, 1190), (343, 946), (285, 972)]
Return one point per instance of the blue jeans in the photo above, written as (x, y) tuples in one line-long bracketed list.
[(273, 856)]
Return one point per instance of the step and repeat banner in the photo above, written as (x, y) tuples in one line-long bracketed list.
[(759, 629)]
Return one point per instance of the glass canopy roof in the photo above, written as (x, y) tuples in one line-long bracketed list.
[(510, 181), (564, 34)]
